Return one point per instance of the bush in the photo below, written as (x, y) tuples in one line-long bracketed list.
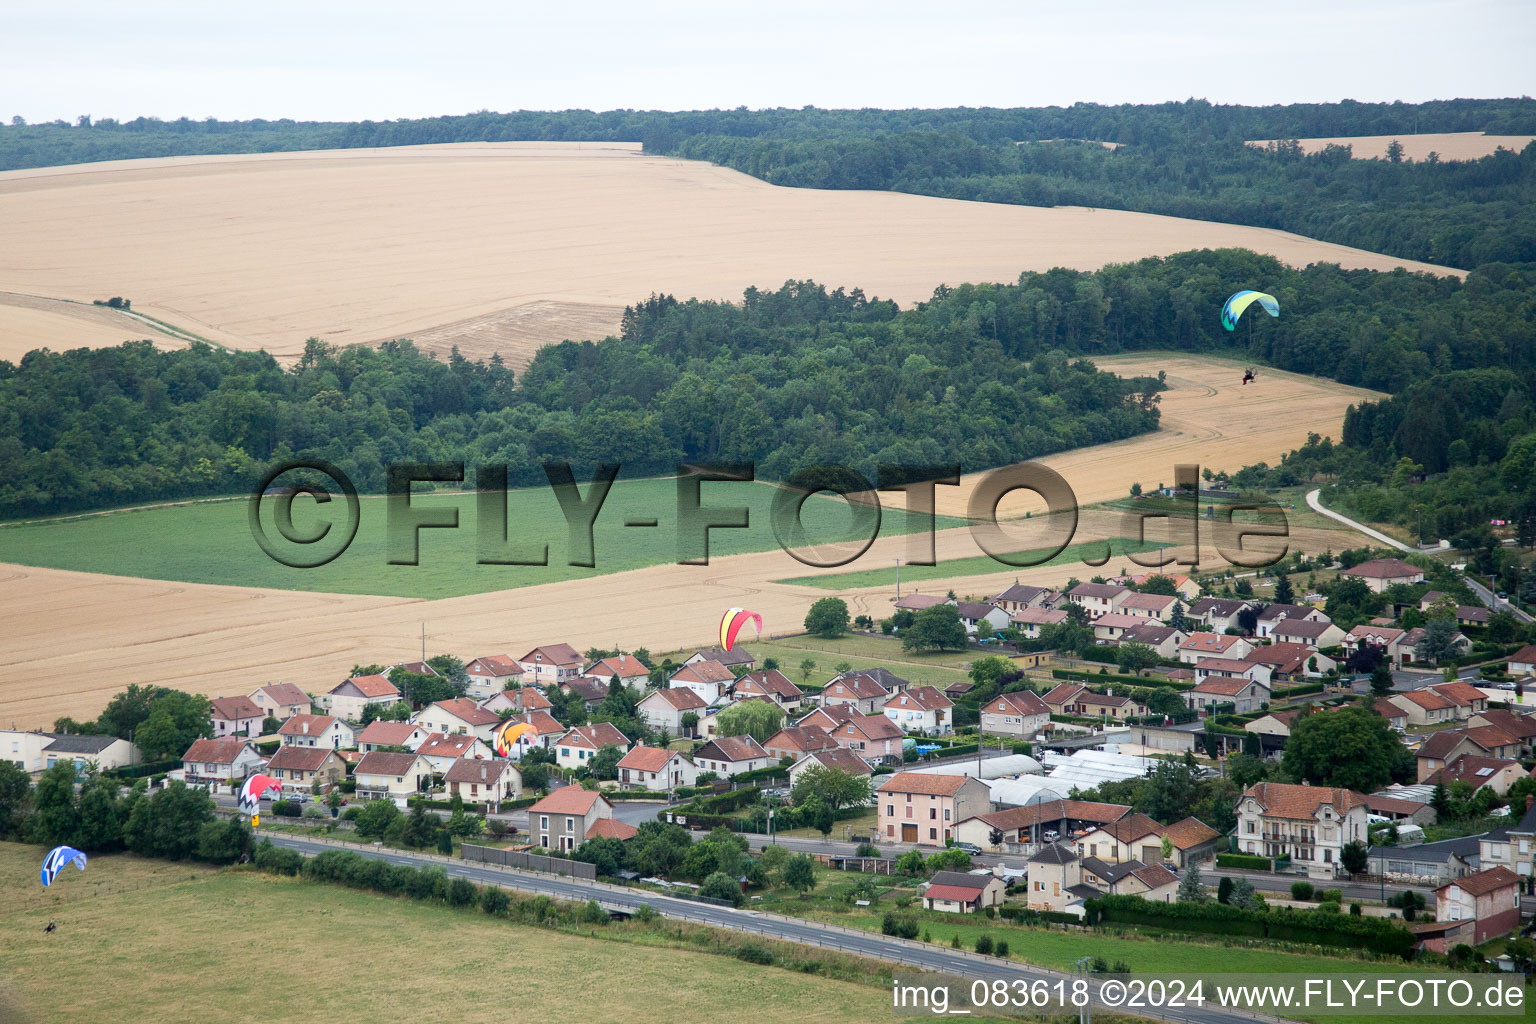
[(984, 945), (494, 901), (954, 941), (1354, 909), (313, 812), (1243, 860), (1301, 890), (991, 912), (720, 886), (461, 892), (1001, 948), (646, 914), (866, 850), (593, 913), (1281, 925), (901, 926), (277, 860), (1328, 907), (752, 953), (1331, 896), (287, 808)]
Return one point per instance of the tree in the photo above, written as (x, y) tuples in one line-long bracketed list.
[(759, 719), (722, 887), (224, 842), (800, 873), (1224, 889), (936, 628), (988, 671), (15, 788), (55, 816), (1244, 897), (168, 824), (604, 853), (605, 763), (1350, 748), (1439, 641), (1381, 680), (99, 825), (1284, 592), (807, 666), (817, 814), (837, 788), (1244, 769), (828, 618), (1168, 792), (1135, 658), (1440, 800), (1354, 857), (1164, 700), (1190, 888), (910, 863), (1177, 619), (375, 818)]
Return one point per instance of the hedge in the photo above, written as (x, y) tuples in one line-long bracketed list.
[(1244, 860), (287, 808), (634, 794), (1023, 915), (1298, 691), (775, 772), (144, 769), (1115, 677), (1284, 924)]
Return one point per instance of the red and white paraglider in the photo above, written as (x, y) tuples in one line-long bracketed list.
[(250, 795), (732, 622)]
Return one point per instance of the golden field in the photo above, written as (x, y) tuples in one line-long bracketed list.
[(1445, 145)]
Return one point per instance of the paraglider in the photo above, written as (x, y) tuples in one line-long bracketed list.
[(508, 733), (1248, 375), (731, 623), (57, 858), (250, 795), (1239, 301)]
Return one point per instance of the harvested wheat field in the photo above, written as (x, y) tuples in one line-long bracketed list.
[(1445, 145), (511, 245), (28, 323)]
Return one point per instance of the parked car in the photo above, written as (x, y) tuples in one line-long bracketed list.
[(1051, 835), (1506, 685), (970, 848)]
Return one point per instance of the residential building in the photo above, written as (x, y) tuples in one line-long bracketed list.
[(317, 731), (918, 602), (708, 679), (770, 683), (1322, 635), (737, 657), (1111, 626), (837, 757), (517, 700), (563, 820), (281, 700), (1383, 638), (220, 760), (1467, 699), (630, 670), (795, 741), (1275, 723), (1291, 662), (391, 734), (1214, 645), (1108, 705), (459, 716), (299, 768), (1523, 661), (830, 716), (551, 664), (973, 614), (861, 690), (1311, 824), (546, 732), (664, 709), (349, 700), (490, 675), (442, 749), (1511, 846), (1164, 640), (491, 782), (1441, 748), (1029, 826), (1098, 598), (1423, 707), (875, 738), (397, 777), (1239, 687), (1408, 646), (577, 748), (1216, 614), (1054, 871), (1028, 621), (1414, 812), (656, 769), (1152, 882), (1381, 573), (235, 716), (923, 808), (1491, 898), (728, 756), (1139, 839), (36, 752), (1271, 615), (921, 709), (1019, 597), (956, 892), (1021, 713), (1156, 607), (590, 689), (1477, 771), (1521, 727)]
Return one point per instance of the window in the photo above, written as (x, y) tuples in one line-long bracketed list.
[(890, 809), (570, 824), (933, 814), (933, 833), (544, 822)]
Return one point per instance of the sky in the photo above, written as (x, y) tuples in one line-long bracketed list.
[(386, 59)]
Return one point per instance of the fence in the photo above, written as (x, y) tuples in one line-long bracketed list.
[(530, 861)]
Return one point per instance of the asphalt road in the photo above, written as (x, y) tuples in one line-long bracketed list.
[(923, 956)]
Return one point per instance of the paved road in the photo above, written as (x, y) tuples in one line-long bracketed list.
[(881, 947)]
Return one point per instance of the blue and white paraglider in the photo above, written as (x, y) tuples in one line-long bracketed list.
[(56, 860)]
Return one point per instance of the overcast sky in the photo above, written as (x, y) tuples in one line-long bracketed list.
[(386, 59)]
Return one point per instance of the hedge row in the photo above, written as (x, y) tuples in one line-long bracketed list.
[(775, 772), (1115, 677), (1023, 915), (1244, 860), (144, 769), (1298, 691), (1284, 924)]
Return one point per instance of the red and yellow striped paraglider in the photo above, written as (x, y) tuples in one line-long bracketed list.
[(508, 733), (731, 623), (250, 795)]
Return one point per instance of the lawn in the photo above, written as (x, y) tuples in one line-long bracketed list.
[(980, 565), (152, 941), (211, 542), (861, 651)]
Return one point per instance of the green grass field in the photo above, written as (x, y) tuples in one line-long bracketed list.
[(861, 652), (211, 542), (978, 566), (151, 941)]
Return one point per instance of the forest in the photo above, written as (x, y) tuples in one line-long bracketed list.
[(788, 379)]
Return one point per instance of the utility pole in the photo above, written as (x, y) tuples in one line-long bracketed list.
[(423, 643), (898, 579)]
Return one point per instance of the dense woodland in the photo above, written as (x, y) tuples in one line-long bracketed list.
[(788, 379)]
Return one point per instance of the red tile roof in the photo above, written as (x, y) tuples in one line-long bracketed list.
[(596, 736), (1383, 569), (1426, 699), (468, 711), (610, 828), (1209, 642), (386, 734), (477, 770), (646, 759), (497, 665), (223, 751), (841, 758), (372, 686), (731, 748), (681, 698), (1283, 800), (926, 697), (803, 738), (928, 783), (1020, 702), (705, 672), (307, 725), (553, 654), (954, 892), (771, 680), (1484, 882), (231, 709), (377, 762), (282, 693), (305, 759), (441, 745), (625, 666), (567, 800)]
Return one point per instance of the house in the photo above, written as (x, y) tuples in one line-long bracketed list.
[(1308, 632), (736, 657), (1423, 707), (590, 689), (517, 700), (923, 808), (1408, 645), (36, 752), (1467, 699), (1242, 684), (1021, 713), (708, 679), (280, 700), (1383, 638), (1028, 621), (973, 614), (562, 820), (795, 741), (1413, 812), (770, 683), (1187, 588), (630, 670), (1098, 598), (1148, 606), (299, 768), (491, 674), (728, 756), (1029, 826), (551, 664), (1062, 697), (957, 892), (1381, 573), (1019, 597), (1139, 839), (235, 716), (1213, 645), (397, 777), (1164, 640), (1275, 723), (458, 716), (1521, 727), (546, 732), (442, 749), (1055, 870), (1271, 615), (1441, 748), (1216, 614), (861, 690), (664, 709), (1491, 898), (921, 709), (390, 734), (349, 700), (1112, 625), (918, 602), (831, 716), (219, 760), (577, 748), (1288, 662), (1312, 824), (656, 769), (1523, 661), (489, 781), (317, 731), (959, 689), (1510, 846), (875, 738), (1478, 771), (1152, 882), (837, 757), (1107, 706)]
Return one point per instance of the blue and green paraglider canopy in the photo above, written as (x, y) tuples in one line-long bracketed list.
[(1242, 300)]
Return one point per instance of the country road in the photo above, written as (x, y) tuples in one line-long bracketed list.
[(919, 955)]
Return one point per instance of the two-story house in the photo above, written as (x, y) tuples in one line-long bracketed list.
[(1199, 646), (1021, 713), (351, 698), (1312, 824), (924, 807), (220, 760), (1271, 615), (656, 769), (317, 731), (875, 738), (974, 613), (709, 680), (235, 716), (458, 716), (551, 664), (664, 709), (385, 776), (299, 768), (490, 675), (491, 782), (1307, 632), (1490, 898), (280, 700), (630, 670), (580, 745), (729, 756), (1029, 621), (1019, 597), (378, 734), (1381, 573), (1217, 614), (1239, 688), (921, 709), (770, 683), (442, 749), (1441, 748), (861, 690), (795, 741), (563, 820), (1098, 598)]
